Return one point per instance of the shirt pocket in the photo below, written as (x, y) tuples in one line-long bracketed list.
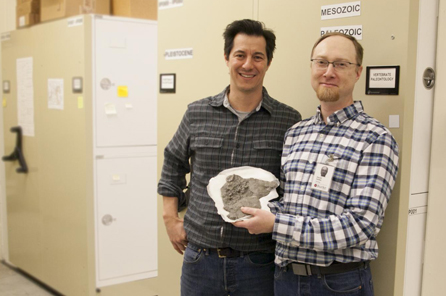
[(206, 151), (206, 142), (266, 154), (344, 170), (331, 159), (339, 162)]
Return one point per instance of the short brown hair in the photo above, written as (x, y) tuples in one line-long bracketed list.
[(250, 28), (358, 47)]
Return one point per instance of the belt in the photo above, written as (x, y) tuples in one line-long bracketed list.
[(222, 252), (226, 252), (338, 267)]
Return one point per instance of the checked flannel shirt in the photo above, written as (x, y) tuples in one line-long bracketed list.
[(316, 227), (210, 139)]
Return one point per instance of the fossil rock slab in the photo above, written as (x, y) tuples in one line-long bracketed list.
[(238, 192), (253, 192)]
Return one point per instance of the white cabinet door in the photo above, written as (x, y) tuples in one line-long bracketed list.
[(416, 229), (424, 98), (126, 219), (125, 82)]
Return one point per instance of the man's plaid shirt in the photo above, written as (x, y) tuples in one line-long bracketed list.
[(210, 139), (316, 227)]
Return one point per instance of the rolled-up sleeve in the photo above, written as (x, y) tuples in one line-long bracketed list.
[(176, 163)]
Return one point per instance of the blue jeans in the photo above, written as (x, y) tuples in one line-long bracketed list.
[(204, 273), (355, 282)]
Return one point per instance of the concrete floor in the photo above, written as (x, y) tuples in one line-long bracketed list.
[(13, 283)]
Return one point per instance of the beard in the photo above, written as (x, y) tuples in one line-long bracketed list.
[(327, 94)]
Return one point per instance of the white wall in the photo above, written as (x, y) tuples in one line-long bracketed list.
[(7, 23)]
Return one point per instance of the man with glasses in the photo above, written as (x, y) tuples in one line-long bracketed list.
[(339, 168)]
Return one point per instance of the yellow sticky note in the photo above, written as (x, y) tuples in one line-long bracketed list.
[(4, 102), (80, 102), (123, 91)]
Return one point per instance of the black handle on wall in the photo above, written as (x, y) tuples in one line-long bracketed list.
[(17, 154)]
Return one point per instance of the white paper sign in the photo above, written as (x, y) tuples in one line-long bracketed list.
[(167, 82), (382, 78), (76, 21), (394, 121), (177, 54), (6, 86), (55, 94), (110, 109), (22, 21), (166, 4), (5, 36), (25, 96), (355, 31), (340, 10)]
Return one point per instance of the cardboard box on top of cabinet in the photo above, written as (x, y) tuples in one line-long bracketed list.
[(25, 1), (146, 9), (28, 7), (55, 9), (27, 13)]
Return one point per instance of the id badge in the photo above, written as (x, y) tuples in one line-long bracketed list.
[(323, 176)]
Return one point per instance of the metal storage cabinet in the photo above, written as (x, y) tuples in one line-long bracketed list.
[(421, 147), (84, 216)]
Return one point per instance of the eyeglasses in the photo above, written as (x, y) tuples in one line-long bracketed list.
[(338, 65)]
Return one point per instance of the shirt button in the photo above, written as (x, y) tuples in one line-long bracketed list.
[(237, 146), (321, 136)]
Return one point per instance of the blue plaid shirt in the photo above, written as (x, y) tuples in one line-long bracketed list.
[(316, 227)]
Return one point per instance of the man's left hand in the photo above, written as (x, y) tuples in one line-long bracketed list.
[(262, 221)]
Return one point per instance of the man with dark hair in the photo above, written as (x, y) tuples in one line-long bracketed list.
[(249, 28), (241, 126), (339, 168)]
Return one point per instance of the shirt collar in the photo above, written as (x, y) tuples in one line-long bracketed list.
[(340, 116), (228, 105), (221, 100)]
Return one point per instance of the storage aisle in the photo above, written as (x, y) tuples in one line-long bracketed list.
[(13, 283)]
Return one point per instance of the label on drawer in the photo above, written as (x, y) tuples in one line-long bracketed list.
[(118, 179), (417, 210)]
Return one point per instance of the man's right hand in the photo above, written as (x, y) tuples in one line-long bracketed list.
[(176, 233), (174, 225)]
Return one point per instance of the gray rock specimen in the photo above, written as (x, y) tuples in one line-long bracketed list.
[(238, 192)]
